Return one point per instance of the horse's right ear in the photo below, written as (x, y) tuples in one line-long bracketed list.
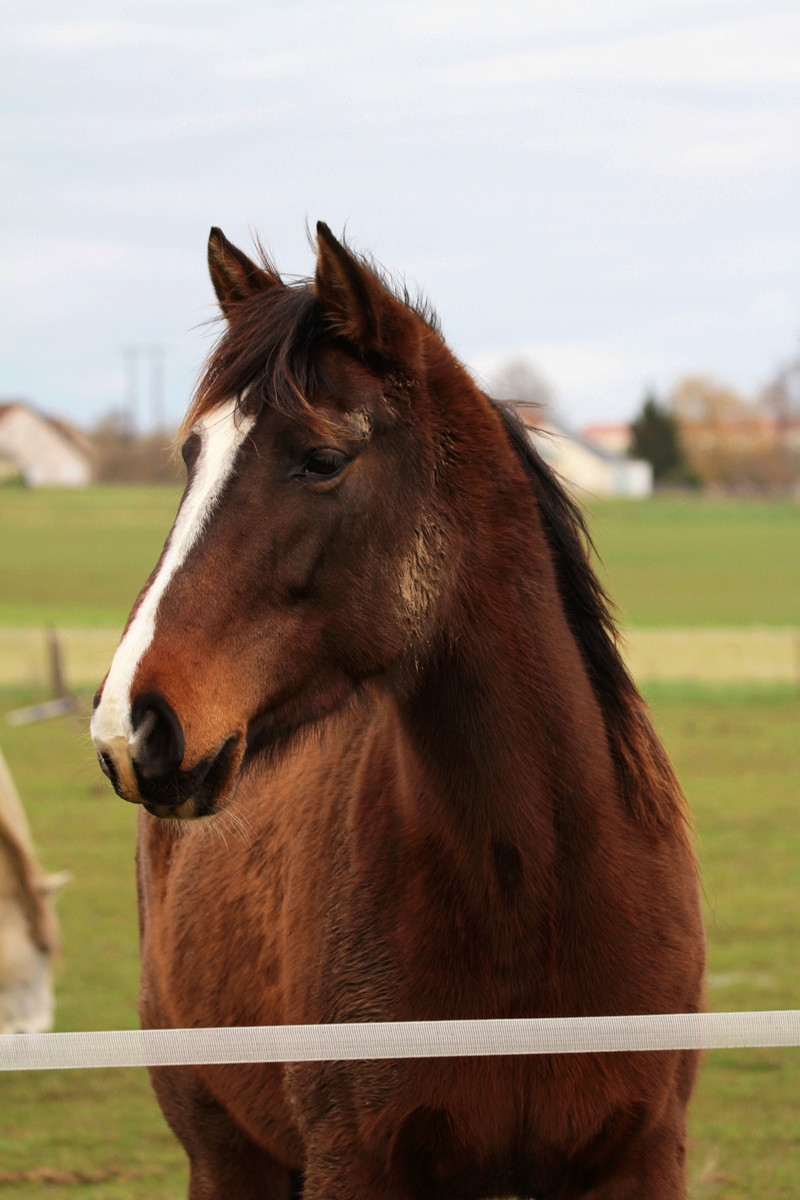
[(234, 276), (358, 305)]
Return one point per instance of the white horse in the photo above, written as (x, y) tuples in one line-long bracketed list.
[(28, 926)]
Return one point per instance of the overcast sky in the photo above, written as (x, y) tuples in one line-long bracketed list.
[(610, 189)]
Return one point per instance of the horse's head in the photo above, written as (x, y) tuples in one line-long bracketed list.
[(312, 551)]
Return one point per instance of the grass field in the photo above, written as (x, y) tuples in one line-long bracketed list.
[(691, 561), (79, 557), (100, 1133)]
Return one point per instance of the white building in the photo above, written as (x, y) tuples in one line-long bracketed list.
[(44, 451), (584, 465)]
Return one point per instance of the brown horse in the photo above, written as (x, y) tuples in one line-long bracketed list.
[(375, 633)]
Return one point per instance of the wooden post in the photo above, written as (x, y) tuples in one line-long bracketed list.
[(56, 665)]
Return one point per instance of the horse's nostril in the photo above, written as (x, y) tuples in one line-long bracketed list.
[(159, 736), (107, 767)]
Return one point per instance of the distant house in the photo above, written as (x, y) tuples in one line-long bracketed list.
[(584, 465), (611, 436), (44, 451)]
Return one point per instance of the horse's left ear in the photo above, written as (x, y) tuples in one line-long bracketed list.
[(358, 305), (235, 277)]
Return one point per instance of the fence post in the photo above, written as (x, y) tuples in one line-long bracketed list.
[(56, 665)]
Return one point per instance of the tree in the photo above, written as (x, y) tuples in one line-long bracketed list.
[(655, 437), (124, 457), (731, 442), (780, 401), (519, 380)]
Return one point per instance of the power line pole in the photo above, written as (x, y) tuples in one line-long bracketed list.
[(157, 387), (133, 356), (130, 408)]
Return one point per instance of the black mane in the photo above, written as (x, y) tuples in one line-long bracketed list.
[(636, 750), (266, 355)]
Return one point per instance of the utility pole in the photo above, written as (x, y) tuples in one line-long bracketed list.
[(130, 412), (133, 357), (157, 387)]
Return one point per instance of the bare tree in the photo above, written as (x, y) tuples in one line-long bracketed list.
[(123, 456), (521, 381), (780, 400), (731, 441)]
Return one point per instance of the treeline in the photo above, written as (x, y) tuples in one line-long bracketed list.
[(702, 434), (706, 434), (121, 455)]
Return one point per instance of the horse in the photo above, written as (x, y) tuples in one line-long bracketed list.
[(375, 637), (29, 933)]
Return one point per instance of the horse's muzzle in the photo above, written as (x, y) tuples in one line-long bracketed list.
[(146, 768), (198, 792)]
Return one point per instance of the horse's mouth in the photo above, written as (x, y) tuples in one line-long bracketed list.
[(201, 791)]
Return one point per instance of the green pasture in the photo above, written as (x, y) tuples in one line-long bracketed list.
[(676, 561), (98, 1135), (78, 557)]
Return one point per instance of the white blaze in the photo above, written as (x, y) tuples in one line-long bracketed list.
[(221, 436)]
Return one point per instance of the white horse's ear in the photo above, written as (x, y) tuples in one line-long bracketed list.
[(51, 885), (235, 277), (358, 305)]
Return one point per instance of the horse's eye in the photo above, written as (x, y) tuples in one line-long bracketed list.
[(322, 464), (190, 450)]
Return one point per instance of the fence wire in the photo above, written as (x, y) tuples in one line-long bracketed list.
[(397, 1040)]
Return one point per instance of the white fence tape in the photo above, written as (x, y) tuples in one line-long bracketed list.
[(397, 1039)]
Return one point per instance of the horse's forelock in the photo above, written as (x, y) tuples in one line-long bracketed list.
[(268, 353)]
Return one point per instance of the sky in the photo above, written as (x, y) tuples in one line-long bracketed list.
[(608, 190)]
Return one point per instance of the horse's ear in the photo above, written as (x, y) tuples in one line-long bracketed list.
[(359, 307), (234, 276)]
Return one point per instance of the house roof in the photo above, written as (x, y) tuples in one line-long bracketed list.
[(606, 427), (539, 419), (79, 440)]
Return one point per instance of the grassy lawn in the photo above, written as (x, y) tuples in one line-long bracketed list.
[(83, 1125), (738, 757), (80, 557), (689, 561), (100, 1132)]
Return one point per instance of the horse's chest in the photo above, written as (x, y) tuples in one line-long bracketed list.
[(451, 1128), (414, 929), (433, 1158)]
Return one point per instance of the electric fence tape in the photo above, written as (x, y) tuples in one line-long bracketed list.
[(397, 1039)]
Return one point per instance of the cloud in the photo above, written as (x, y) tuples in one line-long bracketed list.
[(618, 181), (751, 51), (465, 20), (79, 37), (49, 264), (268, 66)]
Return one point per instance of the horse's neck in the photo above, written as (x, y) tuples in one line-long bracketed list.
[(504, 717), (503, 713)]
